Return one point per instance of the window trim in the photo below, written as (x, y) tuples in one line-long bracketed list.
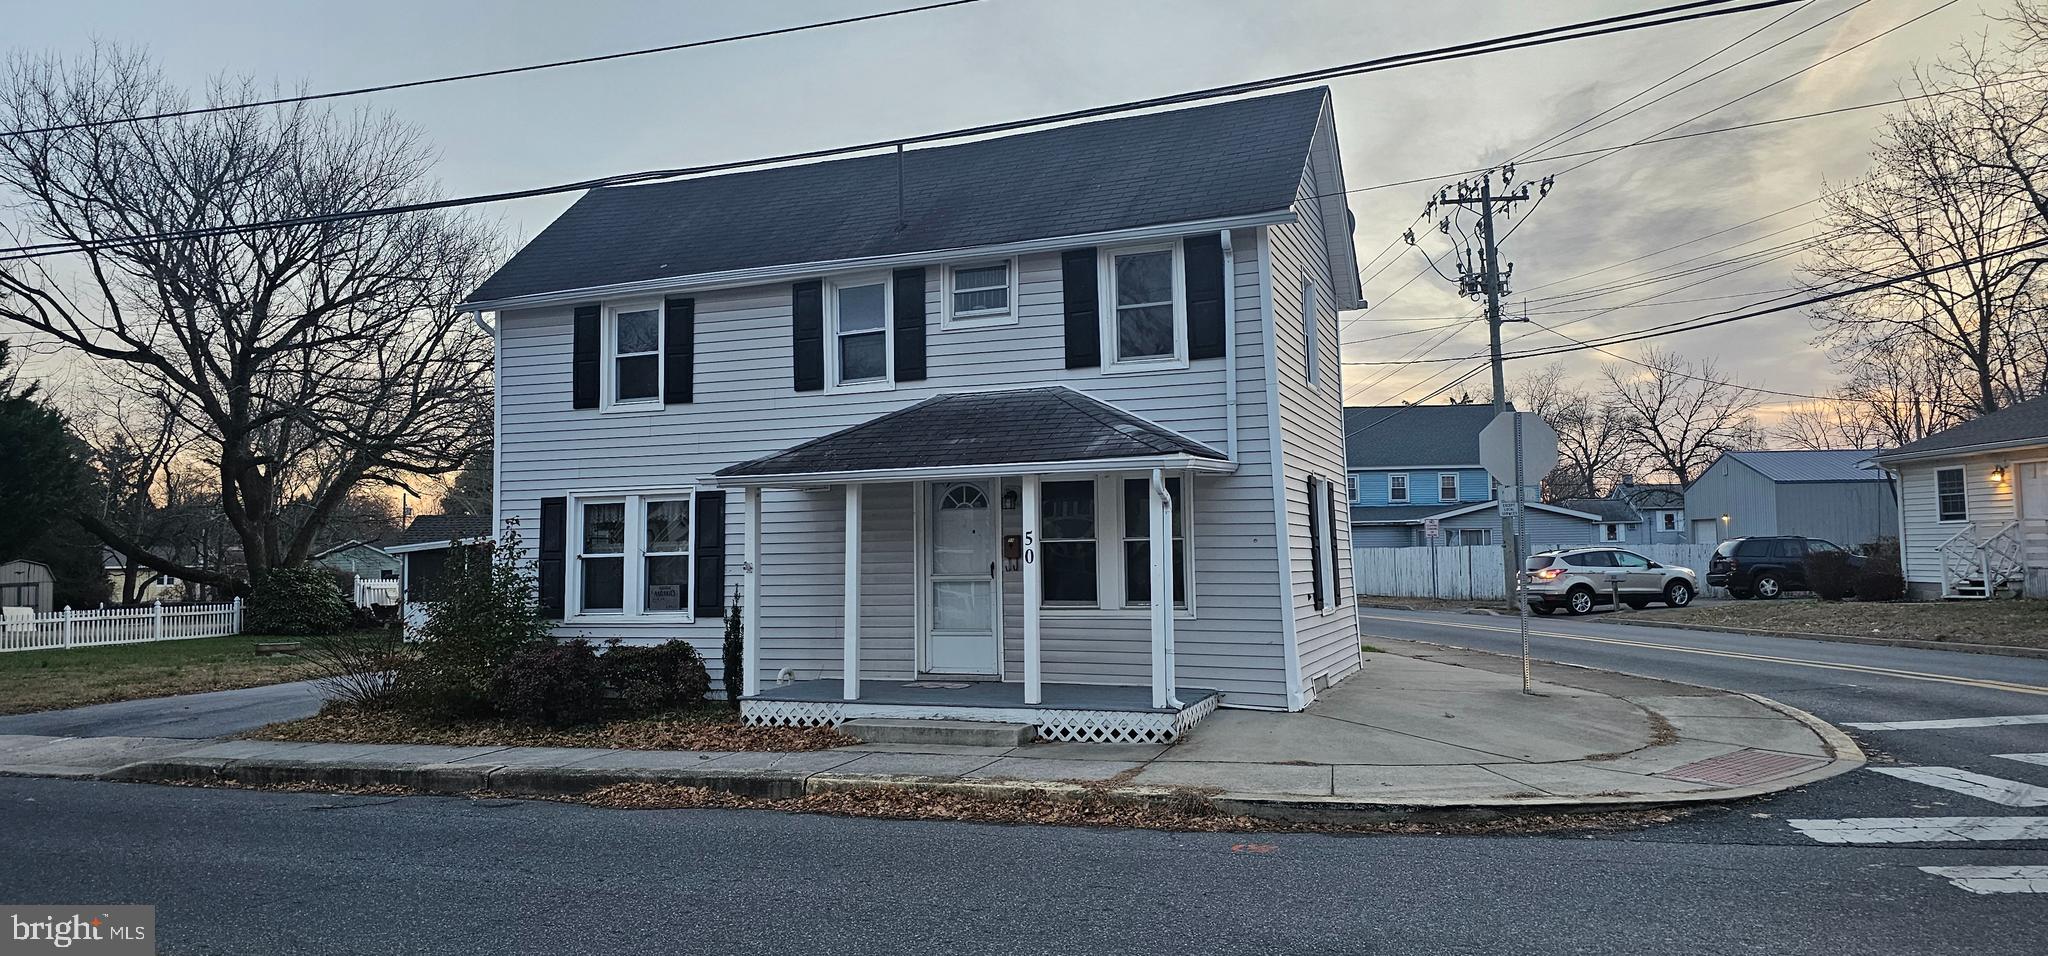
[(1456, 492), (832, 287), (1963, 478), (1617, 529), (1312, 334), (1322, 561), (1357, 482), (1105, 265), (634, 555), (1109, 530), (1185, 538), (1390, 489), (608, 369), (950, 320)]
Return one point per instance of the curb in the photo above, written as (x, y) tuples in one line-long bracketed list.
[(1999, 650)]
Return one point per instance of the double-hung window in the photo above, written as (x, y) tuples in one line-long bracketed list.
[(1447, 487), (1096, 542), (1311, 332), (1397, 489), (1951, 494), (634, 555), (1146, 321), (859, 343), (1068, 536), (1138, 543), (1357, 489), (980, 293), (633, 337)]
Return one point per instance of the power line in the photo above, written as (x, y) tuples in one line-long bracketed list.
[(1679, 13), (483, 74), (1673, 371)]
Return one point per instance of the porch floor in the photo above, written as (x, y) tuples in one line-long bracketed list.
[(983, 694)]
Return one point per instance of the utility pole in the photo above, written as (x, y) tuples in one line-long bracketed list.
[(1488, 279)]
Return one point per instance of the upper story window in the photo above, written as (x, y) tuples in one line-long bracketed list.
[(1357, 488), (1397, 489), (1311, 332), (1951, 494), (858, 333), (1671, 521), (980, 293), (1447, 486), (633, 337), (1145, 325)]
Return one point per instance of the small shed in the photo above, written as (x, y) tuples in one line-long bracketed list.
[(27, 584), (1838, 495)]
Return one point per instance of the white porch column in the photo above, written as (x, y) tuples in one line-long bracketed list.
[(852, 626), (1159, 516), (1034, 589), (750, 600)]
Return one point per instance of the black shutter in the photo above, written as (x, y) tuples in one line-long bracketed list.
[(1315, 547), (1084, 321), (807, 334), (583, 358), (679, 351), (554, 540), (1202, 263), (710, 584), (1336, 569), (910, 325)]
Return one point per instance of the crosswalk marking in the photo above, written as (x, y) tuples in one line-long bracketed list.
[(1953, 723), (1923, 829), (1994, 879), (2041, 759), (2009, 793)]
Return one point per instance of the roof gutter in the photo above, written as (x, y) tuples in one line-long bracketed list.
[(733, 278), (1175, 462), (1976, 449)]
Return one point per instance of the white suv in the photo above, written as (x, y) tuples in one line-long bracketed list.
[(1581, 579)]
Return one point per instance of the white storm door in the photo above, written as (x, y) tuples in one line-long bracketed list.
[(960, 636), (2033, 494)]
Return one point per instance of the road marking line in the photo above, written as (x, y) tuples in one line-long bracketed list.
[(1994, 879), (1737, 655), (2009, 793), (1952, 724), (2041, 759), (1923, 829)]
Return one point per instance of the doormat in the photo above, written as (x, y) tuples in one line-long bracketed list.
[(939, 685)]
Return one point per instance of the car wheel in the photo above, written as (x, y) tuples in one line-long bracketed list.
[(1739, 594), (1545, 610), (1579, 601), (1677, 594), (1767, 586)]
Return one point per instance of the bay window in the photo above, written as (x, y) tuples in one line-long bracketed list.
[(634, 555)]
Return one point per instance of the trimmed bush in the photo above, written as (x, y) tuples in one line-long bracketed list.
[(650, 680), (553, 684), (1830, 575), (1880, 582), (300, 602), (486, 611)]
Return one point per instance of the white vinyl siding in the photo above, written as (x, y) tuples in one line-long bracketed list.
[(1990, 505)]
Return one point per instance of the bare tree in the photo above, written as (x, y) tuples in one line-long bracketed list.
[(300, 363), (1681, 414), (1592, 440)]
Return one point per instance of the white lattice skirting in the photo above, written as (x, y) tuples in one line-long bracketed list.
[(1081, 726)]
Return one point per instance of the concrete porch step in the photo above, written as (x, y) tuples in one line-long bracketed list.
[(969, 733)]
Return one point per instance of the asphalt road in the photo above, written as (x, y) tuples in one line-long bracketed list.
[(252, 872)]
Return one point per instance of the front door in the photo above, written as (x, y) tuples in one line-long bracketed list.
[(2033, 493), (960, 635)]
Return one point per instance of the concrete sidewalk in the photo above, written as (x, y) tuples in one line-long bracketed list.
[(1423, 729)]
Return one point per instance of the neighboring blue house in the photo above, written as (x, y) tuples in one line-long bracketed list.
[(1411, 463)]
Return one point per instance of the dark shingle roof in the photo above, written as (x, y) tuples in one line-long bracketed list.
[(1610, 510), (1228, 159), (2018, 423), (439, 529), (1023, 426), (1428, 435), (1652, 497), (1845, 464)]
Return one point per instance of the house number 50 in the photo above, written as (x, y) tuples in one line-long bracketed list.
[(1030, 548)]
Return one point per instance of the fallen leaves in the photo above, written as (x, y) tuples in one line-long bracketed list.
[(695, 730)]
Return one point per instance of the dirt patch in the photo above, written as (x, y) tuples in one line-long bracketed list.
[(33, 681), (712, 728), (2001, 621)]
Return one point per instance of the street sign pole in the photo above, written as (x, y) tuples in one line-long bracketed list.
[(1521, 568), (1514, 446)]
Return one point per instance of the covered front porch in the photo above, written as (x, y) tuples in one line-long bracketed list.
[(982, 475)]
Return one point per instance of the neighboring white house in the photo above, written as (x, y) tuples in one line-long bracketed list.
[(1973, 515), (26, 584), (949, 420), (1661, 508)]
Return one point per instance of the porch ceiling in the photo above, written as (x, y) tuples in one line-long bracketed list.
[(1035, 430)]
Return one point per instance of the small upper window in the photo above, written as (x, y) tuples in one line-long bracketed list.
[(1357, 488), (1952, 498), (860, 332), (980, 294), (1147, 317), (1397, 488), (636, 355), (1447, 486), (1671, 521), (1311, 333)]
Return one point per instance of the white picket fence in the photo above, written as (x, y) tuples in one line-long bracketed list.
[(1473, 572), (98, 627)]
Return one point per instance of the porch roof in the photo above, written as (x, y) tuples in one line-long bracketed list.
[(1036, 430)]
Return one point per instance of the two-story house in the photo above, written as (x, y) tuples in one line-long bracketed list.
[(1042, 428), (1411, 466)]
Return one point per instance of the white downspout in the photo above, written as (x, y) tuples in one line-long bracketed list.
[(1229, 348), (497, 416)]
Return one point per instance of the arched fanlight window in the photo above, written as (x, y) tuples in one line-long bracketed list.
[(964, 497)]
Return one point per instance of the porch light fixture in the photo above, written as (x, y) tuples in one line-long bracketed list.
[(1998, 474), (1724, 519), (1010, 499)]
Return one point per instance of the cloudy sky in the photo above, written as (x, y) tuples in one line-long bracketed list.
[(1000, 59)]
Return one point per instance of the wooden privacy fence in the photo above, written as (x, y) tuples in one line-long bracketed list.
[(1473, 572), (117, 625)]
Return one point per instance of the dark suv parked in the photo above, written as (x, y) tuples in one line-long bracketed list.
[(1767, 567)]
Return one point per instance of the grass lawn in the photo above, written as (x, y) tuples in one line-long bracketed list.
[(712, 727), (47, 680), (2004, 621)]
